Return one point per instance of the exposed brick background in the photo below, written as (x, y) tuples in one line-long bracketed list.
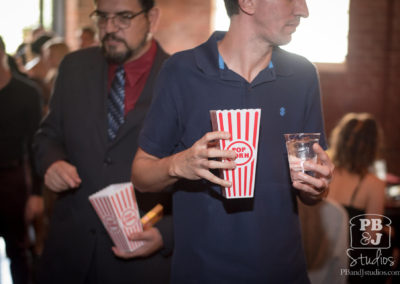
[(77, 16), (183, 24), (370, 81)]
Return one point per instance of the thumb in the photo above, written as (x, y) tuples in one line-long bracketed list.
[(137, 236)]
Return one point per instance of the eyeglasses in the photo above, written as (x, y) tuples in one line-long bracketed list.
[(121, 20)]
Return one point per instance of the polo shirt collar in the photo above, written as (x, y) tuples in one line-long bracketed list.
[(208, 60)]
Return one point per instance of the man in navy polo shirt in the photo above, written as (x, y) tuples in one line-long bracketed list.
[(220, 240)]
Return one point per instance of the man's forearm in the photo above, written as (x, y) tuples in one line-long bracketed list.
[(151, 174)]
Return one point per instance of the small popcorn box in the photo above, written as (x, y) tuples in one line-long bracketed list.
[(243, 125), (117, 208)]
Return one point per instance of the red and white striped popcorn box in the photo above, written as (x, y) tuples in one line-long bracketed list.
[(117, 208), (243, 125)]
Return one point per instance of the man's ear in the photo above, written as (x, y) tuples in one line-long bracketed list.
[(154, 17), (247, 6)]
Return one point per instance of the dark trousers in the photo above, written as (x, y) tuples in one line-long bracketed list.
[(13, 197)]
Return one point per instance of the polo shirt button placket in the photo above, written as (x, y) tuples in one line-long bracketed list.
[(248, 87)]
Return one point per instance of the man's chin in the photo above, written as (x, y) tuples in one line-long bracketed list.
[(116, 57), (284, 40), (113, 58)]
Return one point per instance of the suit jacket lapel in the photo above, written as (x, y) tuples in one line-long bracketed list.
[(97, 88)]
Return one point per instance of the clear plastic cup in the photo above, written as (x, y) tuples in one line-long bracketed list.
[(299, 149)]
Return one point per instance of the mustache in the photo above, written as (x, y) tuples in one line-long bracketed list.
[(112, 36)]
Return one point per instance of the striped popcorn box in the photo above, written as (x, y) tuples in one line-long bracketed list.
[(243, 124), (117, 208)]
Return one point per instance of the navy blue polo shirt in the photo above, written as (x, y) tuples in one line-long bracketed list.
[(218, 240)]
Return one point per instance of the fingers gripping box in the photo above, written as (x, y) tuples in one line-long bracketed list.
[(243, 125), (117, 208)]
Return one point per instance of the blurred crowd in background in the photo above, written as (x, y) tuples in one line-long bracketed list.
[(34, 67)]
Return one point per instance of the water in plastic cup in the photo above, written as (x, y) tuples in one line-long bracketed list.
[(299, 148)]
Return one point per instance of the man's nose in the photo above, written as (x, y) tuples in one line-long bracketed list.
[(110, 26), (301, 8)]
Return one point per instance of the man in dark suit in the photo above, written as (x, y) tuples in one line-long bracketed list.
[(86, 144)]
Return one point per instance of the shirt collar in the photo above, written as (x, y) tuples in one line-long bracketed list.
[(138, 66), (208, 60)]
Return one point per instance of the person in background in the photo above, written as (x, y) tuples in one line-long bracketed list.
[(88, 141), (53, 51), (18, 61), (354, 147), (20, 196), (36, 33), (325, 234), (37, 69), (220, 240), (87, 37), (30, 49)]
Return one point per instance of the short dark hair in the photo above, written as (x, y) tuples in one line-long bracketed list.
[(36, 46), (22, 52), (2, 45), (232, 7), (146, 4)]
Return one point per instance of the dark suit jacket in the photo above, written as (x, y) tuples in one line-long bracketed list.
[(76, 130)]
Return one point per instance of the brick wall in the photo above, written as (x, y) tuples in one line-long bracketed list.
[(370, 82), (183, 24), (77, 16), (391, 110)]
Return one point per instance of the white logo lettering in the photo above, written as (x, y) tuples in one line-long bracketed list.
[(376, 225), (364, 223)]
